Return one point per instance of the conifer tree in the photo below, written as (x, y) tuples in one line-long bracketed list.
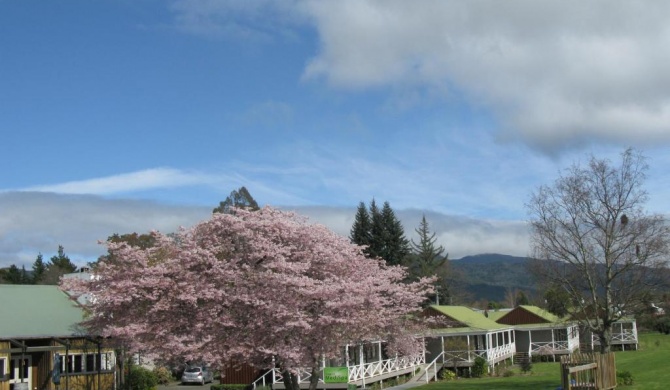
[(382, 233), (395, 246), (238, 198), (39, 268), (360, 230), (427, 259)]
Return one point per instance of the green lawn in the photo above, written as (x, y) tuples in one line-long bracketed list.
[(649, 366)]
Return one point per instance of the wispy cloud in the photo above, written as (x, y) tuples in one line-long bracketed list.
[(130, 182), (32, 223)]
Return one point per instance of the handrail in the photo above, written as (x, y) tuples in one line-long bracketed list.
[(275, 375), (356, 372), (434, 364)]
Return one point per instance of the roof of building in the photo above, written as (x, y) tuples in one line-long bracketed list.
[(468, 320), (540, 312), (29, 311), (494, 315)]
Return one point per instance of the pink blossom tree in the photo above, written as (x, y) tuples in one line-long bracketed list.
[(264, 287)]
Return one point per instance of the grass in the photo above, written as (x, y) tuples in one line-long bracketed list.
[(649, 366)]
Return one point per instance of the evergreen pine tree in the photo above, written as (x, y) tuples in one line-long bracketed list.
[(377, 231), (360, 231), (62, 262), (12, 275), (39, 268), (395, 246), (238, 198), (427, 260), (381, 231)]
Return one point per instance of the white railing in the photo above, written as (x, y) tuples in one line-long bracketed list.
[(433, 364), (549, 347), (627, 335), (276, 377), (501, 352), (370, 370), (356, 373), (492, 355)]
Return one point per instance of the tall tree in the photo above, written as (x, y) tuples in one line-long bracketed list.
[(395, 246), (39, 268), (427, 259), (360, 230), (240, 198), (199, 294), (58, 265), (592, 236), (385, 235), (557, 301), (377, 231)]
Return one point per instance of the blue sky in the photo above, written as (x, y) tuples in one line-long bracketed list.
[(120, 116)]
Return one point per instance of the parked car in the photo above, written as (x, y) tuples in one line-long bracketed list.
[(197, 374)]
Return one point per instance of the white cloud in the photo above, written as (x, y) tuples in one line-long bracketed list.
[(556, 73), (243, 20), (31, 223), (130, 182)]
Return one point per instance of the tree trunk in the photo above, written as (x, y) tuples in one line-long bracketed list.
[(314, 378), (290, 380), (605, 339)]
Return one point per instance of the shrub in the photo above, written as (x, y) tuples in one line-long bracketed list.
[(163, 375), (228, 387), (526, 365), (447, 374), (624, 378), (508, 373), (479, 367), (141, 378)]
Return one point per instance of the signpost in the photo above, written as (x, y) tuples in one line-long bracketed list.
[(336, 374)]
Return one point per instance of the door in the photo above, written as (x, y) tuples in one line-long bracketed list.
[(15, 370)]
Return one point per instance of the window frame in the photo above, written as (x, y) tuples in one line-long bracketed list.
[(4, 369), (78, 363)]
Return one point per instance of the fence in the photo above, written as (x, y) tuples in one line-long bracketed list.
[(592, 371)]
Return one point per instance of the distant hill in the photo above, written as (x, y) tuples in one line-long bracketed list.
[(489, 276)]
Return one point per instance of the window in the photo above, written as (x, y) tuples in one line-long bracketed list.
[(87, 362), (3, 368)]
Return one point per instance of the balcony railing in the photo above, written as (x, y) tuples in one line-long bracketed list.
[(492, 355)]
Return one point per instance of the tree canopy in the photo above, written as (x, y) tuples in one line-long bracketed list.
[(201, 293), (429, 259), (240, 198), (381, 232), (593, 239)]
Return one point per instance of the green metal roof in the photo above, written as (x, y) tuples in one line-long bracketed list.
[(470, 320), (495, 315), (545, 315), (28, 311)]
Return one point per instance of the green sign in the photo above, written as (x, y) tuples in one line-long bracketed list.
[(335, 374)]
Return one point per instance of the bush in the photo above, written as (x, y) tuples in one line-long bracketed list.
[(624, 378), (447, 374), (479, 367), (508, 373), (228, 387), (141, 378), (526, 365), (163, 375)]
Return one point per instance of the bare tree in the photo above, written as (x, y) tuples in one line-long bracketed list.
[(592, 236)]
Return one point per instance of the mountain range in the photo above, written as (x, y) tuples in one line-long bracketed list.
[(491, 276)]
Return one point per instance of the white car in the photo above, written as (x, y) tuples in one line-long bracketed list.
[(197, 374)]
